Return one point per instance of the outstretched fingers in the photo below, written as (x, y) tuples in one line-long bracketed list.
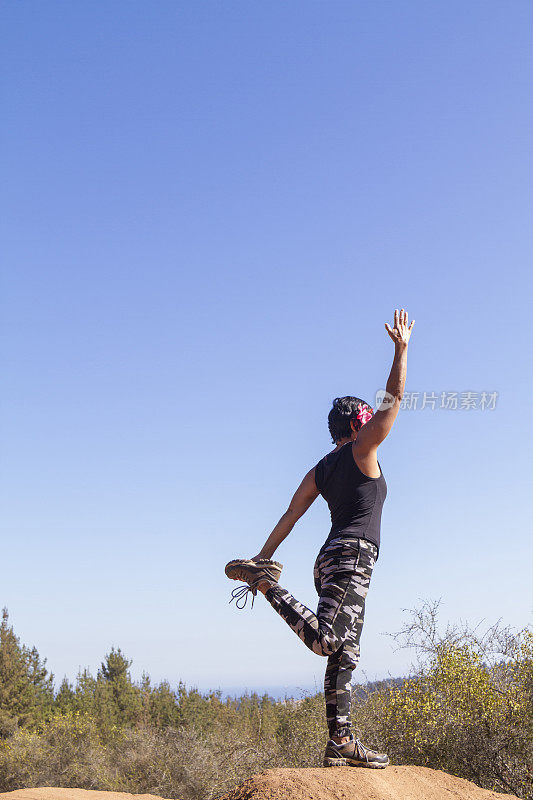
[(402, 329)]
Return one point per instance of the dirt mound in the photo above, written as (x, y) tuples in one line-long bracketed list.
[(334, 783), (51, 793), (355, 783)]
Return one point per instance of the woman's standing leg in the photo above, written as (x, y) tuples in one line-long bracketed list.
[(337, 681), (342, 578)]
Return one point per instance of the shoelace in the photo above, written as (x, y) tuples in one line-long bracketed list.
[(359, 746), (359, 743), (240, 593)]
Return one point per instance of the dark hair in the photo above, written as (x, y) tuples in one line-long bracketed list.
[(344, 410)]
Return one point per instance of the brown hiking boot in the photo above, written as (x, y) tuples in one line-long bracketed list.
[(353, 754), (252, 573)]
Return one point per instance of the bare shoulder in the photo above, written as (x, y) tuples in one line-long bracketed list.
[(305, 494), (307, 487)]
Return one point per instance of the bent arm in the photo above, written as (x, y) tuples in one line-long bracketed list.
[(305, 494)]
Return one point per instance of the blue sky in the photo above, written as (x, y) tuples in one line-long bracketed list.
[(209, 212)]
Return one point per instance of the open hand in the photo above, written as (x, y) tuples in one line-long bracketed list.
[(401, 333)]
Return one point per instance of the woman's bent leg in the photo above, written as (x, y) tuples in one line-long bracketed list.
[(344, 570), (300, 619)]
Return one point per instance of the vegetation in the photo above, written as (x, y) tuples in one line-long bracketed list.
[(467, 708)]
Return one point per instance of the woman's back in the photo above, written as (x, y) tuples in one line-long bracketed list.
[(354, 499)]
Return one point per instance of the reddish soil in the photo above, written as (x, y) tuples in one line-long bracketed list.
[(51, 793), (356, 783), (333, 783)]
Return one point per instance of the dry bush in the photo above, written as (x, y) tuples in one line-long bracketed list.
[(174, 763), (467, 709), (181, 763), (301, 733)]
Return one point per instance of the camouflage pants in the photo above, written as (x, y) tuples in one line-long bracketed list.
[(342, 575)]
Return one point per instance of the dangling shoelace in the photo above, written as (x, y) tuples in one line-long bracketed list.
[(359, 743), (240, 593)]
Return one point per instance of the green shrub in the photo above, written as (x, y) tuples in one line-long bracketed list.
[(65, 751), (461, 714)]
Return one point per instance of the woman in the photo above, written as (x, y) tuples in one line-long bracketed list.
[(351, 481)]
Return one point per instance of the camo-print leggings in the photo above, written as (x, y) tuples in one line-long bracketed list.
[(342, 575)]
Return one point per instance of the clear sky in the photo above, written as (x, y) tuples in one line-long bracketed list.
[(209, 211)]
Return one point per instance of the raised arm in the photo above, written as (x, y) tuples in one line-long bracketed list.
[(377, 428), (305, 494)]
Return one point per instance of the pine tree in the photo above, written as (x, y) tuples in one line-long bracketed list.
[(26, 688), (163, 705), (42, 682), (66, 697), (118, 699), (115, 667), (85, 692)]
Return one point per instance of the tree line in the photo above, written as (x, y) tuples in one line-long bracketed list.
[(466, 707)]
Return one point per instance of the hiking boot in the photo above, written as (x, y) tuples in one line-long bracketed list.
[(353, 754), (252, 573)]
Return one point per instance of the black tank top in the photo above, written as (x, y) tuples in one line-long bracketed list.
[(355, 500)]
